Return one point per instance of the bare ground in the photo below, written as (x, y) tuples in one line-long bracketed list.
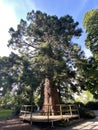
[(16, 124)]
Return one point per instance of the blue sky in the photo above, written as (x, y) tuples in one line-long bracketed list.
[(11, 11)]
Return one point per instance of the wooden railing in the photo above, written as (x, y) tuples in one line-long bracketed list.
[(62, 109), (29, 112)]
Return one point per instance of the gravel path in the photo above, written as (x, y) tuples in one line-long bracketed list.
[(86, 125), (91, 124)]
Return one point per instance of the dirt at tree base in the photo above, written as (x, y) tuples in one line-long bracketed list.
[(16, 124)]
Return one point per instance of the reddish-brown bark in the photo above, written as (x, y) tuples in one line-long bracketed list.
[(51, 99)]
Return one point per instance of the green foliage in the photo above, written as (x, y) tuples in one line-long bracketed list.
[(5, 113), (45, 44), (92, 105), (5, 77), (90, 23), (87, 75), (45, 48), (84, 97), (7, 101), (86, 113)]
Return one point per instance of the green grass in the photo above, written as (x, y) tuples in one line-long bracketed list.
[(5, 113)]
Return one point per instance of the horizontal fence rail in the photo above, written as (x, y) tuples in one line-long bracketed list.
[(63, 111)]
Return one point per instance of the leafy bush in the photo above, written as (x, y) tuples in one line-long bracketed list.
[(92, 105), (86, 113), (7, 101), (80, 104)]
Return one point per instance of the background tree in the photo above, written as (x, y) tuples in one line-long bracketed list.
[(90, 23), (46, 43), (5, 77)]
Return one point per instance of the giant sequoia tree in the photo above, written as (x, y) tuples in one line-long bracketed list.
[(46, 42)]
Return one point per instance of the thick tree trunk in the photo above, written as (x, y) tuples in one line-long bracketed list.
[(51, 99)]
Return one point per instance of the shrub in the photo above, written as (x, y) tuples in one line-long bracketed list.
[(86, 113), (92, 105)]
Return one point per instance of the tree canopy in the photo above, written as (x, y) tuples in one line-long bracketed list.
[(90, 23), (45, 44), (46, 41)]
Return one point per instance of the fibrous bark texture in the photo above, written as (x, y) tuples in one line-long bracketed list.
[(51, 99)]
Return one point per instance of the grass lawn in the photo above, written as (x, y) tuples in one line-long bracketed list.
[(5, 113)]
